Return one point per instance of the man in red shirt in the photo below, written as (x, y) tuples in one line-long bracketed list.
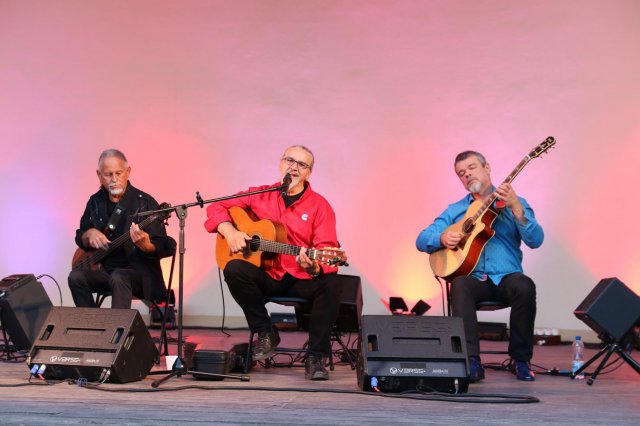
[(310, 222)]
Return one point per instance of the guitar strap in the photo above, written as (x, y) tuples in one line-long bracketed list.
[(117, 214)]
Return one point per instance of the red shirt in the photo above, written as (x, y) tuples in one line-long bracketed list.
[(310, 222)]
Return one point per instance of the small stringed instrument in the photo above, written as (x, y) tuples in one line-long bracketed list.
[(476, 228), (267, 239), (90, 259)]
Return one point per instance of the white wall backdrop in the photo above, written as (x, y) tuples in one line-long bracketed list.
[(205, 95)]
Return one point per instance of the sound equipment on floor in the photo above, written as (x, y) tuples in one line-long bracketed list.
[(95, 344), (611, 310), (398, 306), (24, 305), (493, 331), (215, 360), (404, 353)]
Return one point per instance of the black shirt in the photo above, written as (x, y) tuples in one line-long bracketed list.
[(290, 199)]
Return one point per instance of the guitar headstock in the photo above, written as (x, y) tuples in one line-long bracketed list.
[(332, 256), (547, 144), (163, 216)]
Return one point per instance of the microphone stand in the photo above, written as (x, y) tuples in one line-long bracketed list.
[(179, 367)]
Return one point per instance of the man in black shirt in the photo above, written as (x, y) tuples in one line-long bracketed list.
[(133, 268)]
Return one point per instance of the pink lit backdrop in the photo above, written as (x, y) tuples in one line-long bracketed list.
[(205, 95)]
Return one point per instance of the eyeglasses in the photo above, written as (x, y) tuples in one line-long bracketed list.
[(301, 165)]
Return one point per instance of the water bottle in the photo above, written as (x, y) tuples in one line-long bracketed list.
[(578, 357)]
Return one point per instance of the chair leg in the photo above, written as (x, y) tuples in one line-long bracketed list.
[(100, 298)]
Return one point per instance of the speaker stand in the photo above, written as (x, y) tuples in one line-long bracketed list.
[(351, 357), (180, 366), (607, 351)]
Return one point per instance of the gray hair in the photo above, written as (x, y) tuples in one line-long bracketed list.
[(466, 154), (111, 152), (313, 159)]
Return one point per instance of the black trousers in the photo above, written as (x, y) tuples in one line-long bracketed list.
[(517, 290), (250, 286), (122, 283)]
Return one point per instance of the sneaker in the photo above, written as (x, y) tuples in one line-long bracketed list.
[(476, 370), (265, 345), (522, 370), (314, 368)]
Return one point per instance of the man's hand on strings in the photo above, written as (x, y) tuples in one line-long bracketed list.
[(310, 266), (95, 239), (141, 239), (450, 239), (237, 240), (506, 193)]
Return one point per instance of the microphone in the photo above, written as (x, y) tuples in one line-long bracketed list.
[(286, 181)]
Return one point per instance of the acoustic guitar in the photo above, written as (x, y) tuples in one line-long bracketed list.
[(268, 239), (476, 228), (90, 259)]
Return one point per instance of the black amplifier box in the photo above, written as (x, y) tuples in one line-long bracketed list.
[(208, 360), (93, 344), (404, 353)]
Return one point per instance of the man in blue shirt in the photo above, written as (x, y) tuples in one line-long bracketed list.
[(498, 274)]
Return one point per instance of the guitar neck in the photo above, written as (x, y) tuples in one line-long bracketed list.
[(283, 248), (489, 201), (99, 255)]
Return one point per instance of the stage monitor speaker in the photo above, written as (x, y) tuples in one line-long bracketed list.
[(350, 306), (403, 353), (24, 305), (94, 344), (611, 309)]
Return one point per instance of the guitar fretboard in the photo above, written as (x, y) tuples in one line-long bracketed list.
[(280, 248), (489, 201), (97, 256)]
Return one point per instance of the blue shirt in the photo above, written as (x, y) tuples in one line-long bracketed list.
[(502, 254)]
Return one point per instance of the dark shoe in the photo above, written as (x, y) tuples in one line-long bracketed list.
[(476, 370), (523, 371), (265, 345), (314, 368)]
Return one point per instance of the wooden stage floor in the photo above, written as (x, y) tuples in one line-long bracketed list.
[(282, 396)]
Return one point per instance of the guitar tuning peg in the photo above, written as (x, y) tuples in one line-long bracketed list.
[(336, 261)]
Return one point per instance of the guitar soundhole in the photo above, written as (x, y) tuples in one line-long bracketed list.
[(254, 245), (467, 226)]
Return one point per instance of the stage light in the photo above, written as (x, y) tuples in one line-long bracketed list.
[(397, 306)]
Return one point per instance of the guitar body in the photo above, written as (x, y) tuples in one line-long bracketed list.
[(264, 229), (83, 260), (450, 263)]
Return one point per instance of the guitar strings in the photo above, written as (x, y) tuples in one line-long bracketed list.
[(97, 256)]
